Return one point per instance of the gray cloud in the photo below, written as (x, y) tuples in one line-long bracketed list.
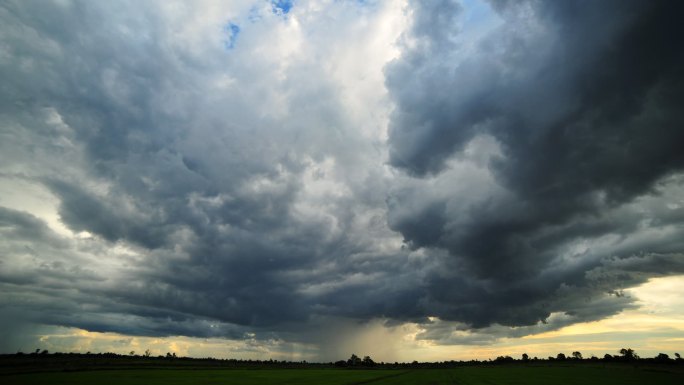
[(581, 135), (221, 192), (222, 212)]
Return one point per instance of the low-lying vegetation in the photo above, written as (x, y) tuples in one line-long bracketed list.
[(43, 367), (46, 361)]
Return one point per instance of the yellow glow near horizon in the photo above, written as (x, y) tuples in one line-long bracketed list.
[(661, 305), (657, 325)]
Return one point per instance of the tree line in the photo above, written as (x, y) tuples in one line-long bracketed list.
[(624, 355), (171, 359)]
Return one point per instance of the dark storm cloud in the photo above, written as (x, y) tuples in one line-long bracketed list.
[(212, 192), (583, 99)]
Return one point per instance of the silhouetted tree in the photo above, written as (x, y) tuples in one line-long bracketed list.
[(560, 357), (577, 355), (628, 354), (678, 356), (148, 353), (367, 361), (662, 357), (354, 360), (502, 359), (525, 357)]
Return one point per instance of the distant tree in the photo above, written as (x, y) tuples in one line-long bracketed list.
[(560, 357), (628, 354), (148, 353), (607, 357), (678, 356), (354, 360), (662, 357), (525, 357), (502, 359), (577, 355), (367, 361), (132, 353), (44, 352)]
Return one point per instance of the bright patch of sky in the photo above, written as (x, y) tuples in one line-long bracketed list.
[(478, 19), (281, 6)]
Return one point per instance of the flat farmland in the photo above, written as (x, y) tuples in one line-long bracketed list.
[(579, 375)]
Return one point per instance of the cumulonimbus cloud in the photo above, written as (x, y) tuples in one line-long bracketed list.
[(534, 166)]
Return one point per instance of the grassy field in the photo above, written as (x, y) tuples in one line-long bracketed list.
[(623, 375)]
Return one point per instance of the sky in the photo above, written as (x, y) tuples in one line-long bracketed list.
[(303, 180)]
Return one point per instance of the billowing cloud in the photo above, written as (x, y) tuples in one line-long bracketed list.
[(208, 189), (575, 109), (237, 171)]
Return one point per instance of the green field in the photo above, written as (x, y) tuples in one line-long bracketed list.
[(622, 375)]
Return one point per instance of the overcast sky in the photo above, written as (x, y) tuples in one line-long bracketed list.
[(301, 179)]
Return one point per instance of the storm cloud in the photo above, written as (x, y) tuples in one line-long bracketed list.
[(576, 105), (235, 171)]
